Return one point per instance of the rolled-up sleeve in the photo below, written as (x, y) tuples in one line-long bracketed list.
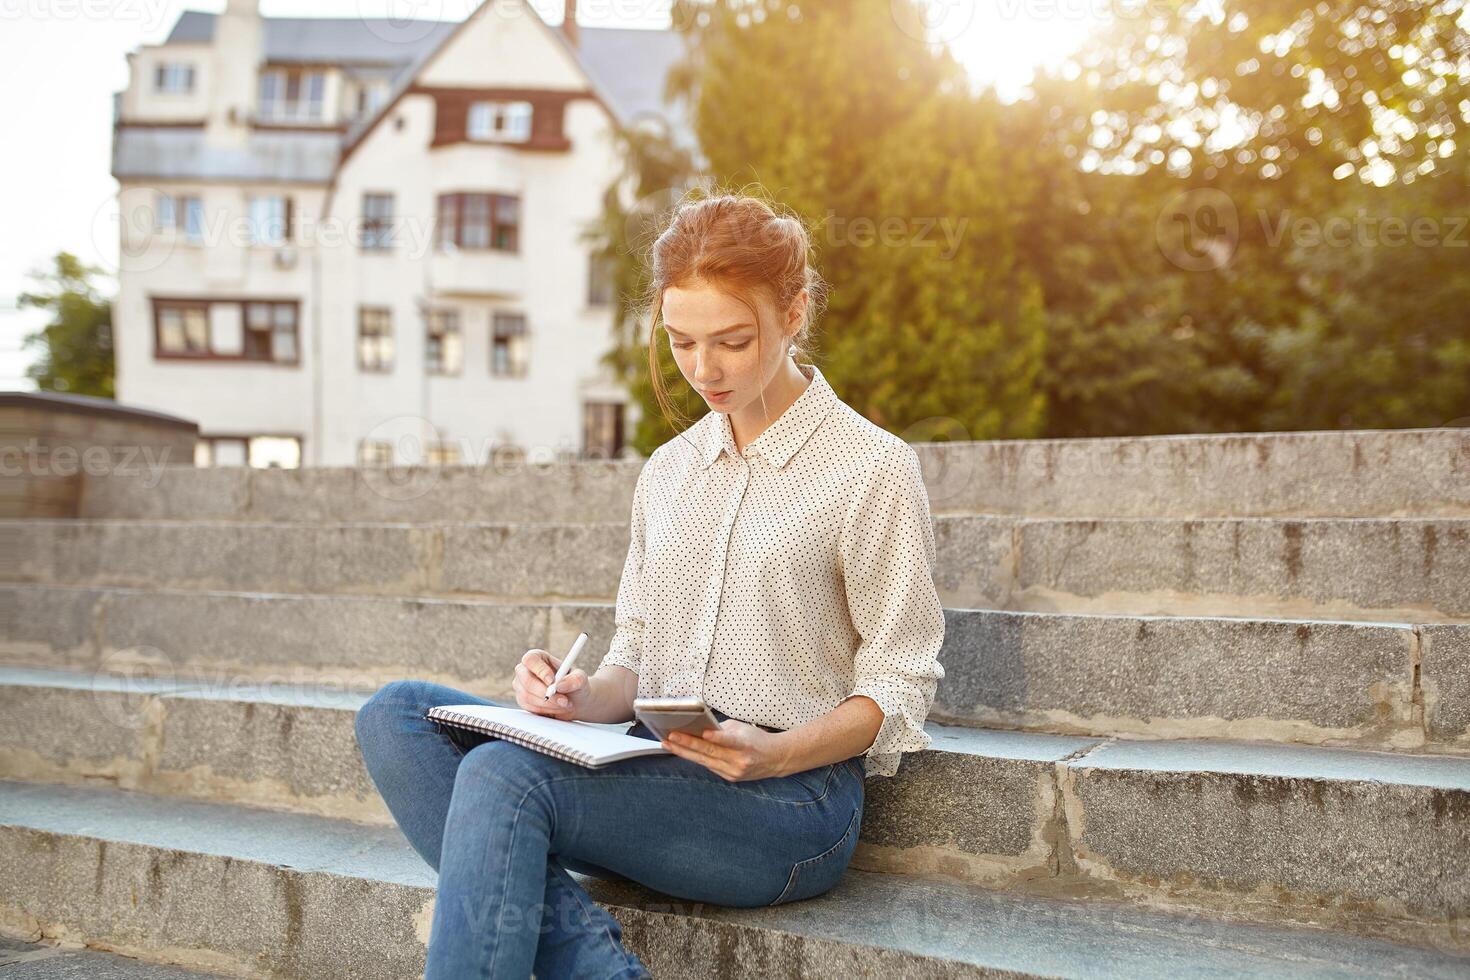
[(626, 649), (888, 560)]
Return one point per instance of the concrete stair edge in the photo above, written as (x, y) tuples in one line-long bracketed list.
[(303, 896)]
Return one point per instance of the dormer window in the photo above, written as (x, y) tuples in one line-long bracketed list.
[(504, 122), (292, 95), (173, 78)]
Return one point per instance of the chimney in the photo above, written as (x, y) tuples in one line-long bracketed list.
[(237, 47), (569, 22)]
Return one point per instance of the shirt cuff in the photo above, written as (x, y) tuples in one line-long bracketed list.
[(904, 708)]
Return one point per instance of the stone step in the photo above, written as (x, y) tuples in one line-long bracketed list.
[(1315, 682), (258, 892), (1405, 569), (21, 960), (1411, 472), (1368, 842)]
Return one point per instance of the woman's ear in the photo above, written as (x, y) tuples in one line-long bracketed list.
[(798, 308)]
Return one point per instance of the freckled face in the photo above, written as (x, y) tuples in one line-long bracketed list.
[(719, 362)]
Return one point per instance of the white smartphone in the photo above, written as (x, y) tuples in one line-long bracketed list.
[(665, 715)]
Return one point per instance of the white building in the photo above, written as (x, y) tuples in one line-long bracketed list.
[(359, 240)]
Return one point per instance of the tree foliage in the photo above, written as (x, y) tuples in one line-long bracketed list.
[(1204, 222), (76, 346)]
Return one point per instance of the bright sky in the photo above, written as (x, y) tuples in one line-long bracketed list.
[(61, 60)]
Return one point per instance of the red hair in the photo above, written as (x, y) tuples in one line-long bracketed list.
[(743, 246)]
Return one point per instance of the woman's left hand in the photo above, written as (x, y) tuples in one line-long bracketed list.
[(737, 750)]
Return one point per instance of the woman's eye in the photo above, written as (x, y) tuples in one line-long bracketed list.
[(731, 346)]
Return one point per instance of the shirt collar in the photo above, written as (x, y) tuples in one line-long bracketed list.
[(783, 437)]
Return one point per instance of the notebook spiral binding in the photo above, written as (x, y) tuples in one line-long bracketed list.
[(537, 742)]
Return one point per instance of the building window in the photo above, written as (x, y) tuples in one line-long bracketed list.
[(183, 328), (371, 95), (270, 331), (292, 95), (479, 221), (443, 345), (261, 452), (180, 212), (375, 452), (269, 219), (441, 454), (504, 122), (599, 280), (602, 430), (377, 221), (375, 338), (173, 77), (508, 345), (233, 329)]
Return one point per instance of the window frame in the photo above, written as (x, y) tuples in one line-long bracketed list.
[(523, 331), (183, 208), (163, 304), (450, 223), (503, 114), (384, 365), (288, 220), (280, 107), (436, 329), (173, 78), (377, 230)]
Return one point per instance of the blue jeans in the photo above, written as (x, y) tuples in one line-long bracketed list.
[(502, 824)]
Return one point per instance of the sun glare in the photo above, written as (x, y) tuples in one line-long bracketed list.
[(1002, 43)]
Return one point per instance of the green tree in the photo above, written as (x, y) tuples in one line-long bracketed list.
[(872, 137), (76, 346)]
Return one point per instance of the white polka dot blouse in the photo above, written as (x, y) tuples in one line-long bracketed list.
[(779, 583)]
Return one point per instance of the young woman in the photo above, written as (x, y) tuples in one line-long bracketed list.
[(781, 566)]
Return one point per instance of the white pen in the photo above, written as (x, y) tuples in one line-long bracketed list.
[(566, 664)]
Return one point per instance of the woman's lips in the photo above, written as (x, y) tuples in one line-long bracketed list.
[(716, 396)]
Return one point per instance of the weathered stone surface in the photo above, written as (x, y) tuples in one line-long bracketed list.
[(1180, 677), (1418, 472), (1345, 831), (1332, 683), (1399, 569), (302, 897), (1445, 675)]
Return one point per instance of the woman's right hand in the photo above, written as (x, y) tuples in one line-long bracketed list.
[(534, 675)]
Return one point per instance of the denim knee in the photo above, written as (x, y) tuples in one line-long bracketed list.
[(514, 769), (384, 704)]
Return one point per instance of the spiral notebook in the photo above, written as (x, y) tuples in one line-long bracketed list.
[(575, 741)]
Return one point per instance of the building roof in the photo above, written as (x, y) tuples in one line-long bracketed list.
[(333, 40), (626, 67)]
